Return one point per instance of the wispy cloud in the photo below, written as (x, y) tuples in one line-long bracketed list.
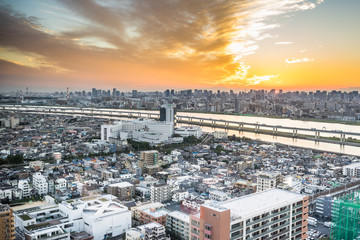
[(299, 60), (283, 43)]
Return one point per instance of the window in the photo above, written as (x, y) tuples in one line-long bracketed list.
[(236, 225)]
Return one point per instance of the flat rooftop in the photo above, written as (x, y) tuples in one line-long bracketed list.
[(121, 184), (180, 215), (256, 203)]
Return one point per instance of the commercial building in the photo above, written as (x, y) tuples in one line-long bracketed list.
[(272, 214), (267, 180), (186, 131), (167, 113), (324, 206), (160, 193), (122, 190), (100, 217), (7, 223), (141, 129)]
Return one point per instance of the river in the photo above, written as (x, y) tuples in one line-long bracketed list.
[(322, 146)]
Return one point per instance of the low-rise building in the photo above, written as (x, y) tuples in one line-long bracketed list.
[(179, 195), (150, 231)]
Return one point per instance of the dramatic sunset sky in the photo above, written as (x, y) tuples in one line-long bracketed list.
[(179, 44)]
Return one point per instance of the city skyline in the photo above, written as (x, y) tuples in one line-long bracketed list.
[(287, 44)]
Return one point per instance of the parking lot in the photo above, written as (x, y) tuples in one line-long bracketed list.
[(319, 231)]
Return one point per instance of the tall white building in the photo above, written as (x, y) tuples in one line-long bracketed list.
[(40, 184), (167, 113), (160, 193), (352, 170), (24, 185)]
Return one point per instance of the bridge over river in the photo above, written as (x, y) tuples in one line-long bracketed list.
[(315, 134)]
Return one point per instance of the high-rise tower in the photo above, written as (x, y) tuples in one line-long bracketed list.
[(167, 113)]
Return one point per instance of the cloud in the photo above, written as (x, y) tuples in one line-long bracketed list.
[(283, 43), (242, 78), (299, 60), (197, 39)]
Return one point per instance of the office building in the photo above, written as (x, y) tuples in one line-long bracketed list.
[(7, 223), (167, 113), (273, 214)]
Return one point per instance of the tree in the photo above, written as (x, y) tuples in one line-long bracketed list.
[(15, 159)]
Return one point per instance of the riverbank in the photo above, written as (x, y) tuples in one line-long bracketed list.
[(354, 142), (352, 123)]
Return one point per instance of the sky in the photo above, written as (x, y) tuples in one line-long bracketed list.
[(179, 44)]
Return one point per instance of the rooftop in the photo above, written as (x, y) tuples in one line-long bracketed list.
[(257, 203), (121, 184), (180, 215)]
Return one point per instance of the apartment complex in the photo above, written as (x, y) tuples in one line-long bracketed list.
[(149, 161), (160, 192), (40, 184), (273, 214), (149, 157), (178, 224), (352, 170), (267, 180), (7, 223), (122, 190)]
